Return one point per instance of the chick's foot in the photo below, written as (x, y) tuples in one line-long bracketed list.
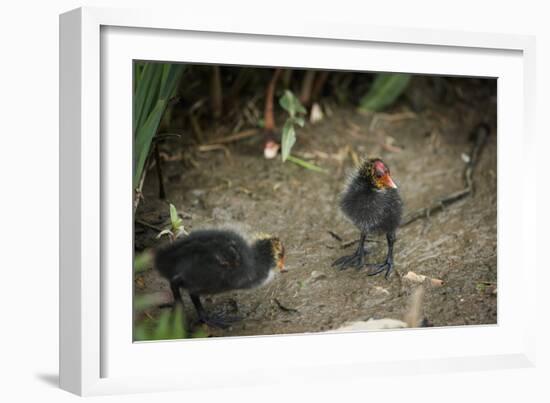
[(379, 268), (357, 260), (219, 321)]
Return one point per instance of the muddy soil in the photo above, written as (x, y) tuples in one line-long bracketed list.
[(428, 134)]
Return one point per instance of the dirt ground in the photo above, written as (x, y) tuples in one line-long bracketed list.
[(422, 139)]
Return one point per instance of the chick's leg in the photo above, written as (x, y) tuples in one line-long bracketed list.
[(387, 266), (175, 287), (209, 319), (356, 260)]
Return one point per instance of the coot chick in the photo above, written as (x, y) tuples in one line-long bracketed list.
[(371, 201), (214, 261)]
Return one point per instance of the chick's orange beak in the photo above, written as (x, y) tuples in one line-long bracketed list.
[(388, 181), (281, 265)]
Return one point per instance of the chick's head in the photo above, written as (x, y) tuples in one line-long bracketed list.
[(377, 173)]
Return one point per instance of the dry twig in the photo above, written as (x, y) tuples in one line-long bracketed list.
[(213, 147)]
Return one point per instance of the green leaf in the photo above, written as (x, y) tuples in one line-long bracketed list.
[(155, 84), (142, 261), (289, 138), (144, 138), (142, 302), (140, 332), (300, 108), (286, 102), (146, 92), (290, 103), (199, 334), (171, 75), (385, 90), (173, 215), (138, 69), (169, 325), (305, 164), (147, 301), (162, 330), (178, 330), (298, 120)]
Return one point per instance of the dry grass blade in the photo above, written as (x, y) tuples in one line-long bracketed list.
[(234, 137), (413, 317)]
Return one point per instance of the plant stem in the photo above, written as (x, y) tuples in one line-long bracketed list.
[(216, 93), (307, 85), (162, 193), (269, 119), (320, 81)]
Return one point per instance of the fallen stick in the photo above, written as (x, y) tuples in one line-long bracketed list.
[(148, 225), (437, 206)]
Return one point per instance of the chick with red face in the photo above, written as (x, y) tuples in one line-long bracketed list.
[(372, 203)]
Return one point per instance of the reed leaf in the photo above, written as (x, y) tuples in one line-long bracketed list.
[(155, 84), (385, 90)]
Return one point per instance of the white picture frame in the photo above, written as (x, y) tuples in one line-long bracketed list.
[(96, 49)]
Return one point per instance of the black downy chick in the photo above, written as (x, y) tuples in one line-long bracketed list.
[(215, 261), (371, 201)]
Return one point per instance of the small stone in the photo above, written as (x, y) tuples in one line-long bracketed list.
[(198, 192), (315, 275), (316, 114), (381, 290)]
